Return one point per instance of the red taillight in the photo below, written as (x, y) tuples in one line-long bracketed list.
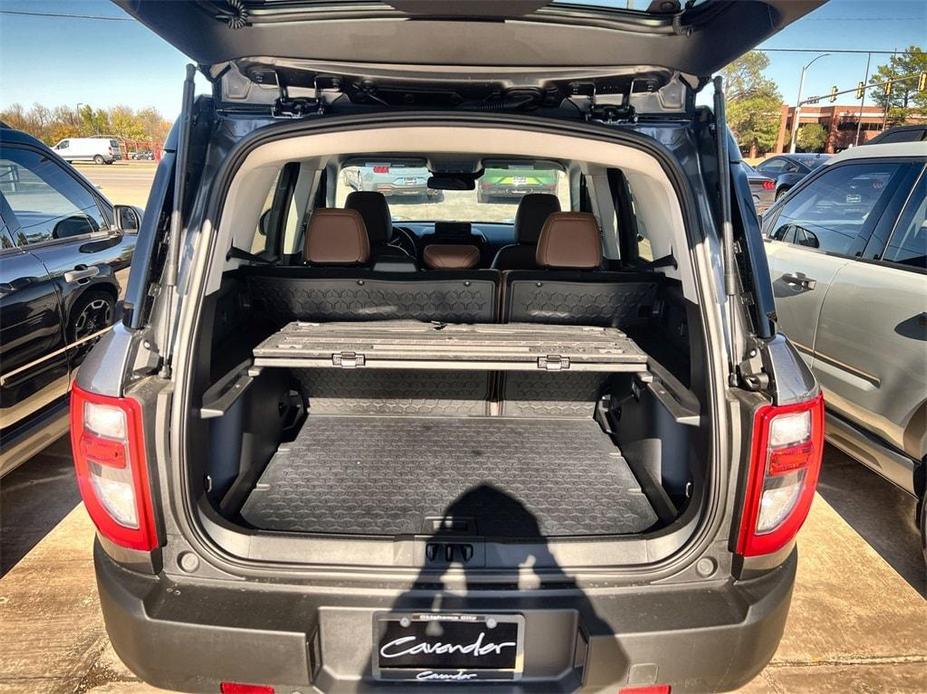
[(785, 460), (769, 185), (109, 456), (381, 169), (237, 688), (650, 689)]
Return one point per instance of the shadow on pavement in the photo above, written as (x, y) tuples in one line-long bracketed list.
[(882, 514), (33, 500)]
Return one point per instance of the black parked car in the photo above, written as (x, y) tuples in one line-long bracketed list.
[(324, 452), (64, 260), (788, 169)]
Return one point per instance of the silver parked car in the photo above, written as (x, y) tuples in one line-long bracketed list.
[(847, 253)]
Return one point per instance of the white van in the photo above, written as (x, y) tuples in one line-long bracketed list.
[(100, 150)]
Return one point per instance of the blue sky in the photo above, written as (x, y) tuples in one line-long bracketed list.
[(65, 61)]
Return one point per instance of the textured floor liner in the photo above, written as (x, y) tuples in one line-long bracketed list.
[(395, 475)]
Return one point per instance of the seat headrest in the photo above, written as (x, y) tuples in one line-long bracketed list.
[(570, 240), (375, 211), (533, 211), (450, 256), (336, 237)]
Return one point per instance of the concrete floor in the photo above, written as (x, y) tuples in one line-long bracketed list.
[(858, 620)]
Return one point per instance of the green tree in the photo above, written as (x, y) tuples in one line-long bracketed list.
[(753, 103), (811, 138), (901, 99)]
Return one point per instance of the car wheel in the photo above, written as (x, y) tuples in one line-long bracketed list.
[(92, 312), (481, 196), (781, 192), (97, 159)]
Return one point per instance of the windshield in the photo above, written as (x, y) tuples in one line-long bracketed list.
[(494, 199)]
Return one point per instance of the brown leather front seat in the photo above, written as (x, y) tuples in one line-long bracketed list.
[(450, 256), (570, 240), (336, 237)]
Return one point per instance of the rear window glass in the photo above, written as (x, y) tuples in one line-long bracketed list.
[(494, 199)]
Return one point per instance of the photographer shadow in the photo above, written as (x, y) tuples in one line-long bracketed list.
[(565, 643)]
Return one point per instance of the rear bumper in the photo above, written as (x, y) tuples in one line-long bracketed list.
[(191, 636)]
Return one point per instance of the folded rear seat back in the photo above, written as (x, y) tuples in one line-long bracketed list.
[(573, 289)]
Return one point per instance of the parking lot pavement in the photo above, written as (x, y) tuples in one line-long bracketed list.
[(857, 622)]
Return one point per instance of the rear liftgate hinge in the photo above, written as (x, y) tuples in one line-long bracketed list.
[(289, 106)]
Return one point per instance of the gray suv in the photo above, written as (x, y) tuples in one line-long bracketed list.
[(847, 252), (328, 451)]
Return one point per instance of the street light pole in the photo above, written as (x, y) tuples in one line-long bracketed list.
[(796, 114)]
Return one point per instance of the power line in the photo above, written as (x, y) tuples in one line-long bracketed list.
[(63, 15), (824, 50)]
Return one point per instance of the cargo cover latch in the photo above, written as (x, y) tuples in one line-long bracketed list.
[(348, 360), (554, 362)]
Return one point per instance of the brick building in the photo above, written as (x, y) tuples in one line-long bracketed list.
[(839, 121)]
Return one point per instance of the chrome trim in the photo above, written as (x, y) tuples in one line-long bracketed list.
[(4, 379), (874, 380)]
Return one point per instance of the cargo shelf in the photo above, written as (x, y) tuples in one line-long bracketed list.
[(418, 345)]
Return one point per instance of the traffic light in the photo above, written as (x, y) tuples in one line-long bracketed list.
[(833, 93), (860, 90), (922, 82)]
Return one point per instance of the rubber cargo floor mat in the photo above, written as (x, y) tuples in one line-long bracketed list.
[(395, 475)]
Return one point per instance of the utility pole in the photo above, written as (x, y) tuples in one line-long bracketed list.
[(862, 102), (796, 114)]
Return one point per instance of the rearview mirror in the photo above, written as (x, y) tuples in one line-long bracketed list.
[(128, 217), (445, 182)]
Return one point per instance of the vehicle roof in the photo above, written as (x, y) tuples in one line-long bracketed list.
[(894, 149), (13, 135), (807, 156)]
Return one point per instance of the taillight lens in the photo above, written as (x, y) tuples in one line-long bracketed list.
[(112, 473), (785, 461), (769, 185), (380, 169)]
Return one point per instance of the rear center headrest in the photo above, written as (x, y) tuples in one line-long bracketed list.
[(450, 256), (570, 240), (374, 210), (532, 212), (336, 237)]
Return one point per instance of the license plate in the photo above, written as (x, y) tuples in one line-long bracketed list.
[(519, 180), (454, 648)]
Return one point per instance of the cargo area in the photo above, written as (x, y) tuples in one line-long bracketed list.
[(364, 384)]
